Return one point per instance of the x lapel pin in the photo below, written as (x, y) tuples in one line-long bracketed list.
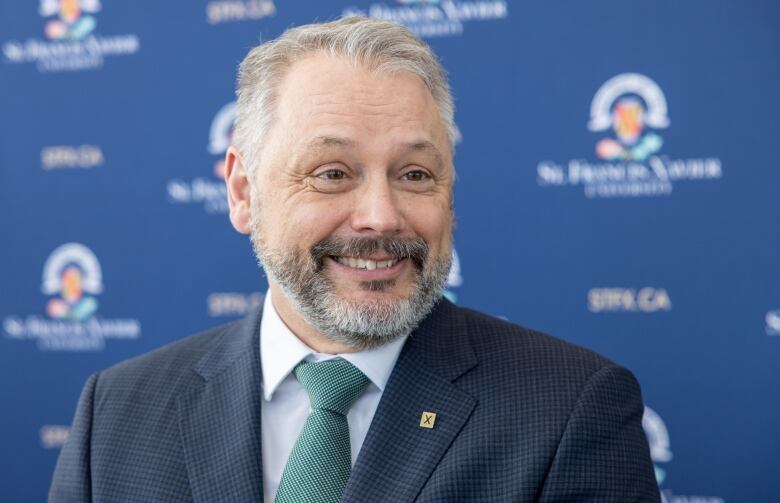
[(427, 419)]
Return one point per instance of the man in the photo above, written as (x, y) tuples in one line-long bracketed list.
[(356, 381)]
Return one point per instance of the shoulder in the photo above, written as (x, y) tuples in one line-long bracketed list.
[(495, 339), (542, 385), (165, 370), (537, 366)]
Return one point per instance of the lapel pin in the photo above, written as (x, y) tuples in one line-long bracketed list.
[(427, 419)]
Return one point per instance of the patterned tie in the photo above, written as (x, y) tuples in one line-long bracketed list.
[(319, 465)]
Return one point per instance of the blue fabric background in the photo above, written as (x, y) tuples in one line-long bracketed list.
[(597, 271)]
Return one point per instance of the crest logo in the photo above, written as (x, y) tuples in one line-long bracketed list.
[(72, 277), (210, 192), (660, 452), (617, 105), (221, 136), (658, 440), (73, 18), (631, 109), (72, 273), (71, 43)]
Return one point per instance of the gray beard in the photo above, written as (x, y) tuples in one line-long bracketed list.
[(357, 324)]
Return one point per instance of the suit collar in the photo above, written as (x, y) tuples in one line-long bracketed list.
[(219, 418), (398, 454), (236, 341), (441, 342)]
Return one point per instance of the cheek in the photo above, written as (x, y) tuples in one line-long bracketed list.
[(433, 222), (303, 224)]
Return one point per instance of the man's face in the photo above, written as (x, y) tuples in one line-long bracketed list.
[(351, 203)]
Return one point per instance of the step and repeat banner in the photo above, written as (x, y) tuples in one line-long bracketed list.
[(618, 187)]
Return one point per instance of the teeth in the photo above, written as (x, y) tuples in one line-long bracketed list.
[(359, 263)]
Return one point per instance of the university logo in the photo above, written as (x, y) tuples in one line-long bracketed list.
[(72, 274), (628, 114), (434, 18), (209, 192), (773, 322), (73, 21), (660, 452), (221, 136), (72, 281), (627, 105), (71, 41)]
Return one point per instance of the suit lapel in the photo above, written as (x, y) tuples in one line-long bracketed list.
[(398, 454), (219, 419)]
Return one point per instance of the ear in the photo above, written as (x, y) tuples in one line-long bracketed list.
[(239, 192)]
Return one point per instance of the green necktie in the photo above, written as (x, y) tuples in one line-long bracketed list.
[(319, 465)]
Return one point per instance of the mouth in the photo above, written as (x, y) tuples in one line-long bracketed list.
[(370, 258), (365, 263), (368, 269)]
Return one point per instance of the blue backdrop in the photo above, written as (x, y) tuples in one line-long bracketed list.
[(617, 187)]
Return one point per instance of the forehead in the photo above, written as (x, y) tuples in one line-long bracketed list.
[(323, 95)]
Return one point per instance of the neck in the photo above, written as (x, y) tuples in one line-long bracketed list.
[(302, 330)]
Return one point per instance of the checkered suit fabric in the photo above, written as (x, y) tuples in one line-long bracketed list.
[(521, 417)]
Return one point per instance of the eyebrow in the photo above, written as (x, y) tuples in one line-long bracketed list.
[(319, 144), (423, 146), (328, 141), (426, 147)]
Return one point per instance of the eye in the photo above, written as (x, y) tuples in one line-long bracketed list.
[(332, 175), (416, 175)]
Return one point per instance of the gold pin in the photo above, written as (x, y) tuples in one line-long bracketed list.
[(427, 419)]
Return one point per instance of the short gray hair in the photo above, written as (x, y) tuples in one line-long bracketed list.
[(377, 45)]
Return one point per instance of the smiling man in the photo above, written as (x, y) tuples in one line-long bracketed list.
[(349, 204), (356, 381)]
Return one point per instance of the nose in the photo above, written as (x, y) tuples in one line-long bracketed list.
[(376, 209)]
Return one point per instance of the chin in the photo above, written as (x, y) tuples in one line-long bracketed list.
[(377, 291)]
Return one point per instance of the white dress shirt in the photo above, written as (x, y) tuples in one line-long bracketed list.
[(285, 401)]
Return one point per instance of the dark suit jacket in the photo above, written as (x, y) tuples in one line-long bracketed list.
[(520, 416)]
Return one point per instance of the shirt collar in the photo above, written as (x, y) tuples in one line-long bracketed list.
[(281, 351)]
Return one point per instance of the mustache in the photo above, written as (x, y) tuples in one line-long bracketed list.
[(415, 249)]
